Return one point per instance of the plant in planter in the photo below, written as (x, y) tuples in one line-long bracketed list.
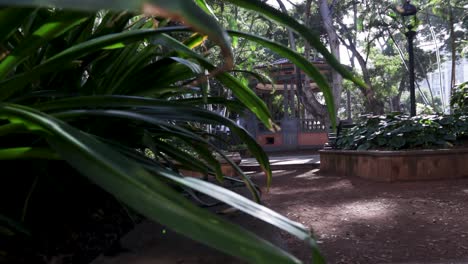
[(397, 147), (84, 94), (395, 131)]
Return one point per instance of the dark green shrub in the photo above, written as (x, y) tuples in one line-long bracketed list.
[(393, 132), (459, 99)]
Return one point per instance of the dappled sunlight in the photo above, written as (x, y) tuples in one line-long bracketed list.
[(338, 219), (374, 209), (336, 186), (285, 160), (311, 175), (294, 160), (282, 172)]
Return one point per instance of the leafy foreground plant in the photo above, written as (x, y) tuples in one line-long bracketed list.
[(393, 132), (98, 90)]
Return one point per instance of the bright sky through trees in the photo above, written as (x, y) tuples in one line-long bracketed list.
[(286, 3)]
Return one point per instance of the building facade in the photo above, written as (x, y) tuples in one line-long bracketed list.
[(439, 81)]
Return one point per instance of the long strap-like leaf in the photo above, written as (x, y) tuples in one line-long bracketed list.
[(10, 19), (185, 11), (133, 185), (52, 28), (57, 62)]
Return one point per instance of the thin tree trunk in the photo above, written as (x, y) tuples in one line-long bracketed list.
[(305, 94), (452, 46), (396, 99), (334, 42)]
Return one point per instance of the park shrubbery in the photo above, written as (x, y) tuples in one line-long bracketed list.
[(397, 131)]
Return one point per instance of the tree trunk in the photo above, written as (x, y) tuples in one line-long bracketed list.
[(452, 46), (334, 42), (371, 103), (305, 94), (396, 99)]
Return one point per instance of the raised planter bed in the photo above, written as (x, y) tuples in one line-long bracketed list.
[(391, 166)]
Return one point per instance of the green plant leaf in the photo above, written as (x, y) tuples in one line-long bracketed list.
[(159, 116), (205, 7), (27, 153), (10, 22), (185, 11), (166, 110), (14, 225), (55, 26), (241, 91), (243, 204), (142, 191), (57, 62)]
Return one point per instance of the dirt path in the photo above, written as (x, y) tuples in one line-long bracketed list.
[(358, 221)]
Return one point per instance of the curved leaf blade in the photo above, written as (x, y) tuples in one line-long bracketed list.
[(241, 91), (142, 191), (184, 11), (52, 28), (57, 62), (167, 110)]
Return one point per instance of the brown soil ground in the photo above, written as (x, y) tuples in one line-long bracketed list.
[(359, 221)]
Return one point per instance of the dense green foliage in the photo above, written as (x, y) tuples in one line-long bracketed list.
[(393, 132), (459, 99)]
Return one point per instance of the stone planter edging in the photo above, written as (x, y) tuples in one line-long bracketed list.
[(407, 165)]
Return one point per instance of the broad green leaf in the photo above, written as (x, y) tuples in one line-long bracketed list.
[(160, 75), (14, 224), (27, 153), (57, 62), (206, 7), (147, 194), (194, 41), (196, 18), (161, 115), (241, 91), (10, 19), (169, 110), (195, 68), (54, 27), (182, 157), (260, 77), (185, 11), (245, 205)]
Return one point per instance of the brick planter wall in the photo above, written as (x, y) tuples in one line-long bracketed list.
[(396, 165)]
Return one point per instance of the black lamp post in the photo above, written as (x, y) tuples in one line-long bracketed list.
[(410, 10)]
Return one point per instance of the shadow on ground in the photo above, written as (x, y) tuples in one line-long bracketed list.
[(359, 221), (353, 220)]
